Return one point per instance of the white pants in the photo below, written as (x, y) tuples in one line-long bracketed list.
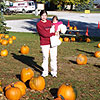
[(53, 57)]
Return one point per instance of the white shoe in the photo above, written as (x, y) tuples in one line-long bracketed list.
[(44, 75), (54, 76)]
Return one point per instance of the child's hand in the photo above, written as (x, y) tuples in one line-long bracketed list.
[(56, 33)]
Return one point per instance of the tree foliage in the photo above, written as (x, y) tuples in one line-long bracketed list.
[(2, 19)]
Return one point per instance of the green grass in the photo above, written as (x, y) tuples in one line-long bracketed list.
[(85, 78), (20, 16)]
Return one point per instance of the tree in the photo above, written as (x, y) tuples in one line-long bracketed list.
[(61, 3), (2, 19)]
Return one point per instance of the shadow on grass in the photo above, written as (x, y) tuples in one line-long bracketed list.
[(91, 53), (98, 66), (28, 61), (74, 62), (53, 92)]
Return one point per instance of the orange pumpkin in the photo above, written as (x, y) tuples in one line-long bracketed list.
[(97, 54), (4, 52), (61, 39), (24, 50), (37, 83), (58, 99), (1, 40), (21, 86), (26, 74), (69, 32), (88, 40), (81, 59), (2, 35), (66, 91), (10, 41), (73, 39), (66, 39), (6, 36), (75, 28), (13, 37), (13, 93), (98, 45), (4, 42), (70, 27)]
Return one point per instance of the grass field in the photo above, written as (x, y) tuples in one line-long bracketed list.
[(85, 78)]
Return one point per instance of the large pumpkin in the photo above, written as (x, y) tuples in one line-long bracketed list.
[(13, 93), (4, 52), (66, 91), (37, 83), (81, 59), (24, 50), (98, 45), (21, 86), (97, 54), (18, 84), (26, 74), (4, 42)]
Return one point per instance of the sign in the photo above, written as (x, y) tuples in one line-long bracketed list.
[(87, 11)]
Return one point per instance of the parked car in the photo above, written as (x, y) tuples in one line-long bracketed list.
[(22, 6)]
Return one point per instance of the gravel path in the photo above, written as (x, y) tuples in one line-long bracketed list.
[(81, 20)]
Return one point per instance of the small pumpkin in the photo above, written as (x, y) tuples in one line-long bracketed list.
[(98, 45), (26, 74), (66, 39), (10, 41), (13, 37), (70, 27), (6, 36), (37, 83), (4, 52), (81, 59), (97, 54), (4, 42), (69, 32), (73, 39), (66, 91), (1, 40), (13, 93), (24, 50), (61, 39), (2, 35), (75, 28), (87, 40)]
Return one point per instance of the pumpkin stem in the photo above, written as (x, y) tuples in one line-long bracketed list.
[(12, 84), (62, 97), (67, 84)]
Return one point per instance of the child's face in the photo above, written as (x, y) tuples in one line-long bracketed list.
[(55, 20)]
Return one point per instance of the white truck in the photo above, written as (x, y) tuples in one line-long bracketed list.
[(22, 6)]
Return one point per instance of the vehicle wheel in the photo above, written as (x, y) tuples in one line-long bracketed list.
[(23, 11)]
